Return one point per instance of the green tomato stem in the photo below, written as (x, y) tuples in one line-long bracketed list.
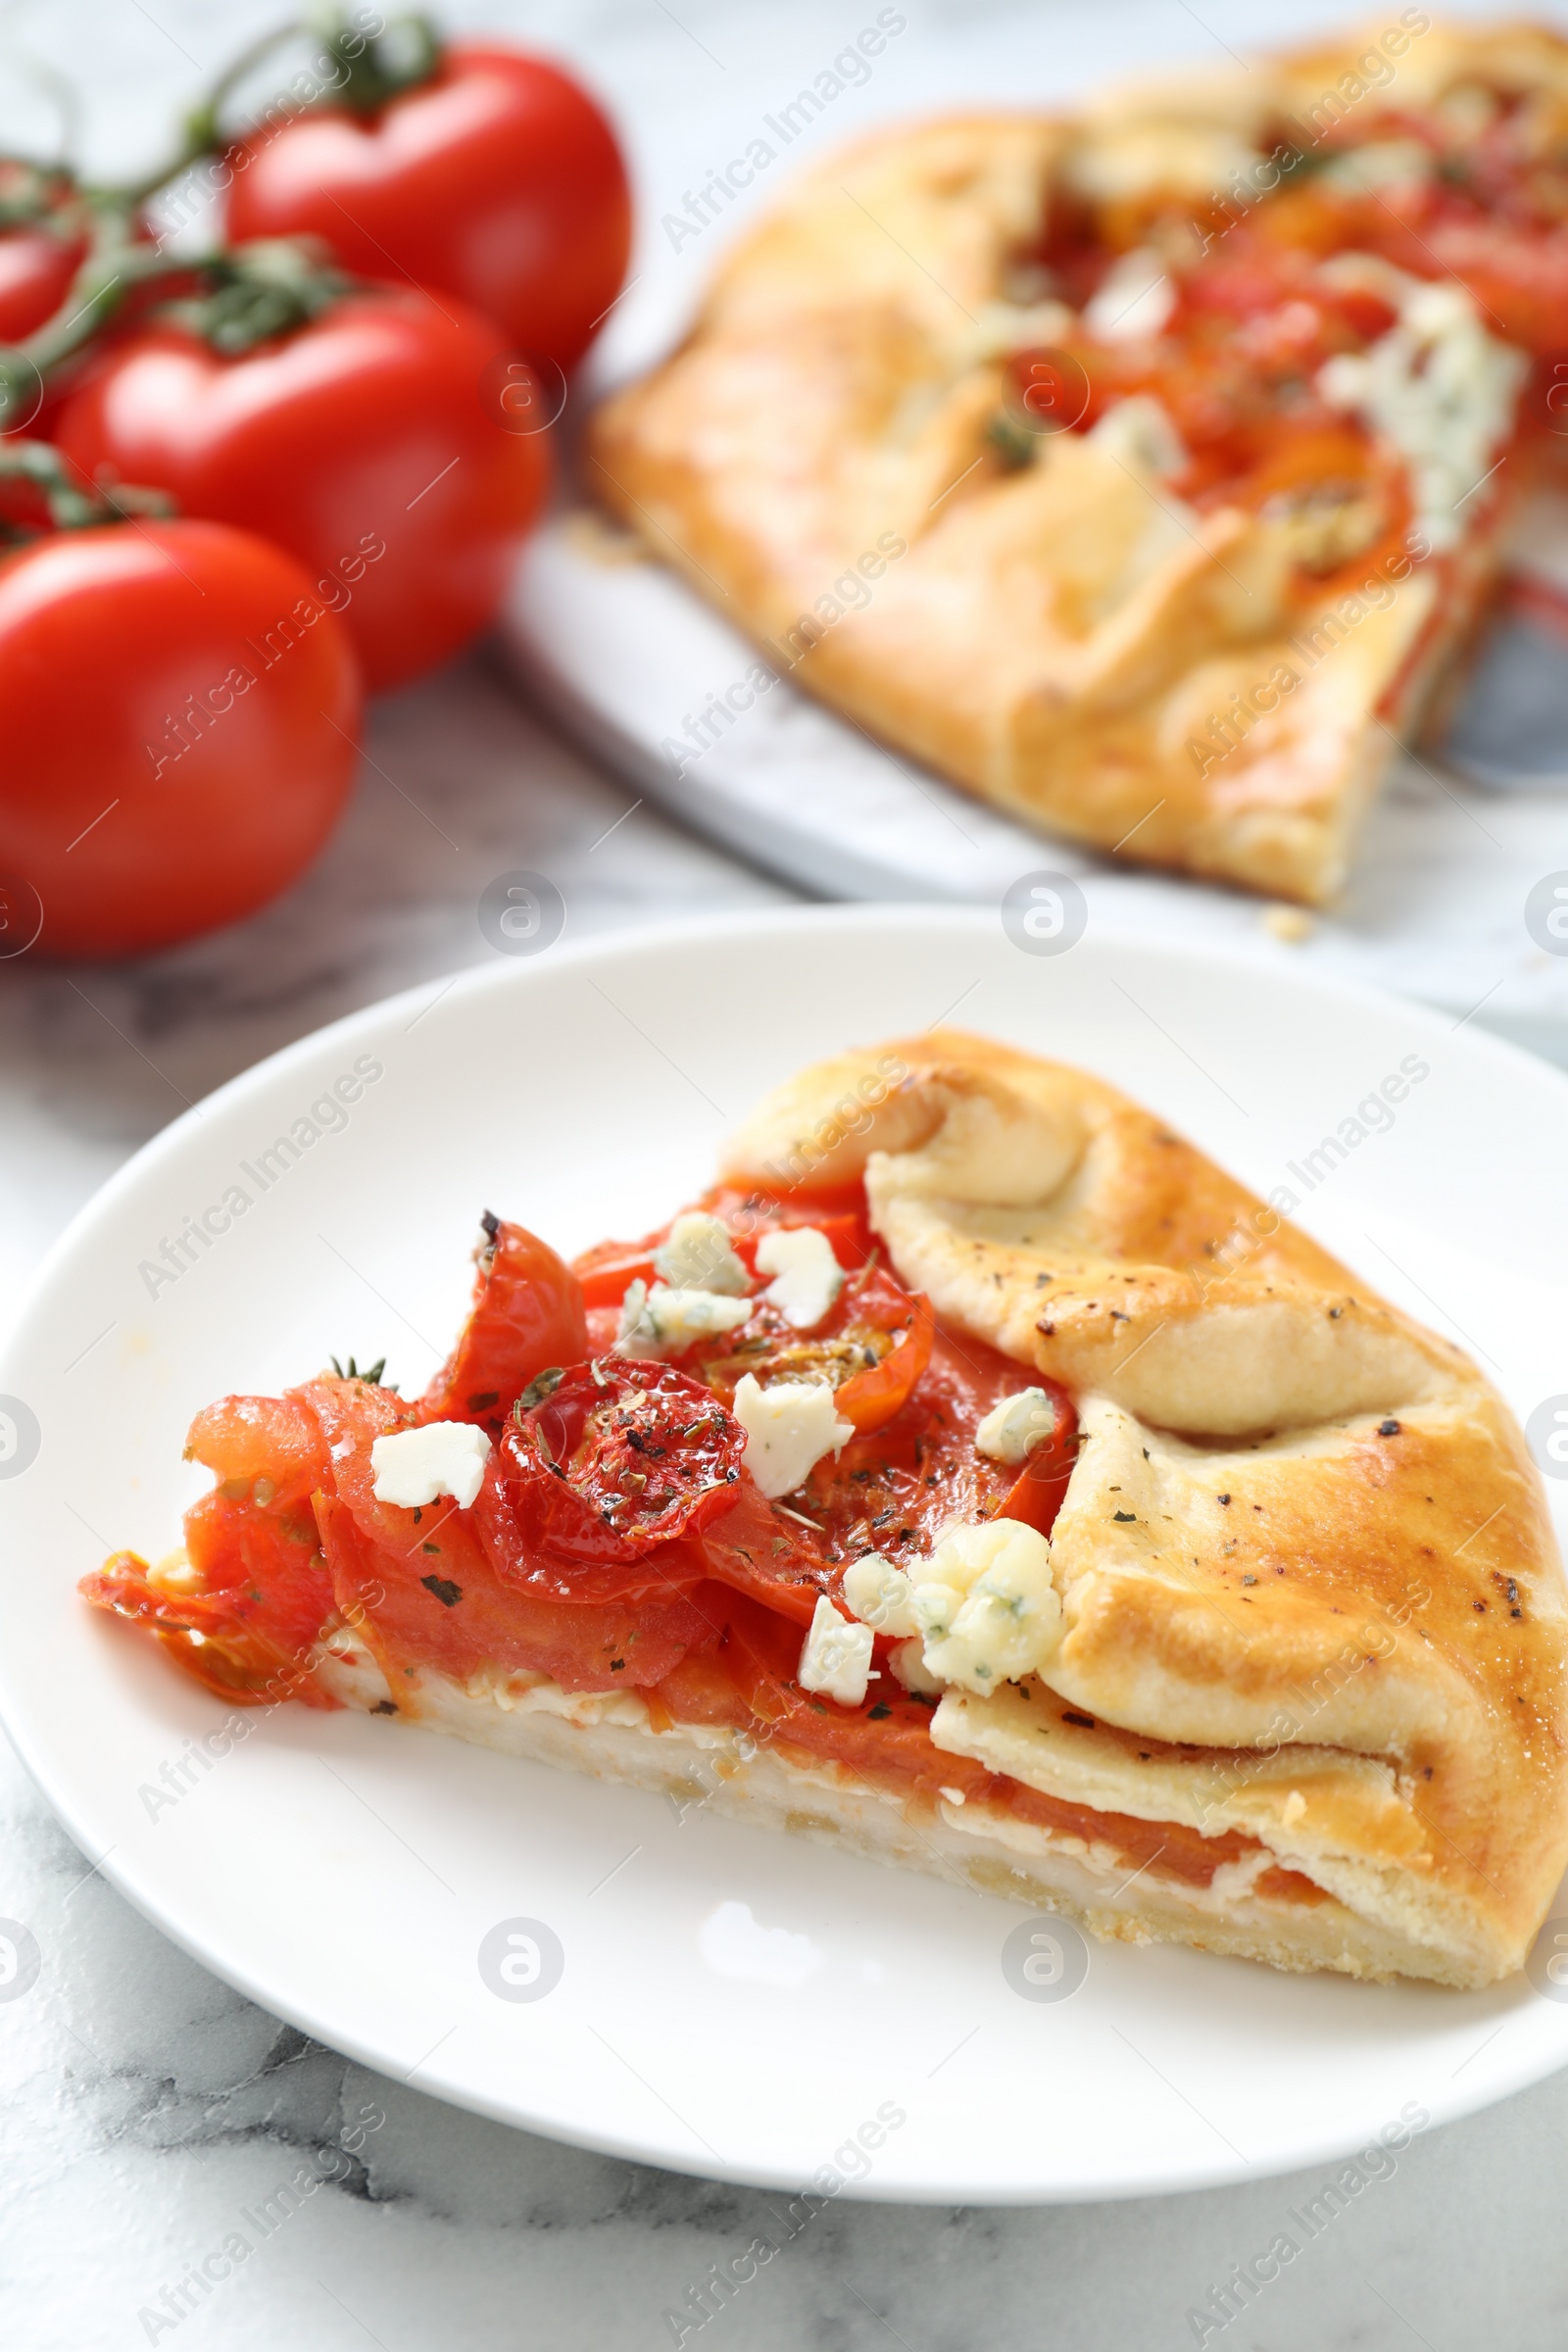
[(71, 506), (369, 68)]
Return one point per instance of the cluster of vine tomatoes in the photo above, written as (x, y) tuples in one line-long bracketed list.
[(244, 488)]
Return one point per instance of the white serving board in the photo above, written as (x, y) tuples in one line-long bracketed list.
[(620, 653)]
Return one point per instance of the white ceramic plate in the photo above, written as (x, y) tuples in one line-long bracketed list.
[(732, 2003)]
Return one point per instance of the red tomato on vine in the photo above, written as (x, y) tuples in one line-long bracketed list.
[(498, 180), (42, 238), (361, 440), (36, 267)]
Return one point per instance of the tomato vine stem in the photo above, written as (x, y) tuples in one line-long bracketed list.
[(364, 70), (237, 297), (70, 503)]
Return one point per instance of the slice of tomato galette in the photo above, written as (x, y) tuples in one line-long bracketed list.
[(976, 1476)]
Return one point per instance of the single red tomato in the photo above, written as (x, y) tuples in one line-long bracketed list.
[(362, 442), (499, 180), (180, 720), (36, 267), (41, 246)]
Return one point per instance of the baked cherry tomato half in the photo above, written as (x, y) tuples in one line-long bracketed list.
[(607, 1270), (457, 1614), (269, 1449), (618, 1460), (896, 1330), (499, 180), (527, 1318), (245, 1616), (361, 442), (180, 718), (1040, 1489)]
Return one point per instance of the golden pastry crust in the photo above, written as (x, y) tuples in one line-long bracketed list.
[(1310, 1586), (819, 461)]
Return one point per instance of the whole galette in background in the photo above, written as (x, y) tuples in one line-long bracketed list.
[(1143, 470)]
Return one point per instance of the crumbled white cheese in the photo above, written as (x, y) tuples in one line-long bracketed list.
[(836, 1656), (1134, 299), (697, 1257), (664, 1322), (986, 1604), (1354, 272), (1139, 433), (1015, 1426), (1000, 327), (809, 1276), (789, 1427), (934, 1605), (954, 1797), (879, 1595), (1442, 391), (413, 1466), (1380, 164), (908, 1661)]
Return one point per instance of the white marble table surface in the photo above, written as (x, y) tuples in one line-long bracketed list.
[(145, 2106)]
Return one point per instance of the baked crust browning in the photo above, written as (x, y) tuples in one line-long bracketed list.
[(1310, 1587), (1052, 628)]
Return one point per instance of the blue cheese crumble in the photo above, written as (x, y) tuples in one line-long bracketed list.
[(663, 1321), (699, 1257), (1015, 1425)]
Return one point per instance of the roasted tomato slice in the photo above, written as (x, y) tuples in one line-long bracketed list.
[(839, 1212), (526, 1317), (620, 1457), (267, 1448), (759, 1550), (608, 1272), (245, 1615), (1038, 1492), (451, 1611), (873, 1322)]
